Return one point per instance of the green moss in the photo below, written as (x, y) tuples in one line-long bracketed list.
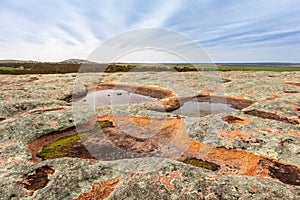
[(203, 164), (105, 124), (61, 147)]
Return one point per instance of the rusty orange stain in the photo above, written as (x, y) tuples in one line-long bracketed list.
[(100, 191), (231, 161), (248, 89), (8, 144), (196, 147), (292, 83), (234, 161), (237, 97), (244, 121), (268, 131), (294, 107), (254, 187), (205, 91), (216, 87), (137, 121), (276, 95), (295, 133), (53, 126), (270, 98), (252, 94)]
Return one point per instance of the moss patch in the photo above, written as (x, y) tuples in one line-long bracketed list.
[(105, 123), (70, 146), (61, 147), (202, 164)]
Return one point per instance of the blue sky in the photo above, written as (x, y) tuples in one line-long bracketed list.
[(229, 30)]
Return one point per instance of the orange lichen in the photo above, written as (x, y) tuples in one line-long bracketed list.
[(166, 180), (144, 122), (101, 190), (196, 147), (231, 135)]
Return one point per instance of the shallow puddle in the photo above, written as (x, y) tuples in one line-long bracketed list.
[(114, 97), (200, 109)]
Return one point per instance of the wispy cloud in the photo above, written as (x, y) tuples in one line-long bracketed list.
[(258, 30)]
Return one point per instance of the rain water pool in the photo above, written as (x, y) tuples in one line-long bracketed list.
[(200, 109), (114, 97)]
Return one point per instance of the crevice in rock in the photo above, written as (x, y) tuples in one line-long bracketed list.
[(45, 110), (273, 116), (2, 118), (293, 83), (225, 80), (234, 120), (288, 174), (291, 91), (37, 179)]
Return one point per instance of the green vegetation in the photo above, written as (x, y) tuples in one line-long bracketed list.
[(274, 68), (8, 69), (59, 68), (105, 124), (61, 147), (203, 164), (258, 68)]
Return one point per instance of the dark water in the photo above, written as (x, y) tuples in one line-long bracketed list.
[(114, 97), (200, 109)]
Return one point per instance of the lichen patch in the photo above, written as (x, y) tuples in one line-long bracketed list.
[(100, 191)]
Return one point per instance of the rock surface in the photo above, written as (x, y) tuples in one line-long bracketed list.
[(256, 149)]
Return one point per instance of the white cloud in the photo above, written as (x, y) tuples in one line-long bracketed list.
[(59, 30)]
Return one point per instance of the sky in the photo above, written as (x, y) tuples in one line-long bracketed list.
[(228, 30)]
